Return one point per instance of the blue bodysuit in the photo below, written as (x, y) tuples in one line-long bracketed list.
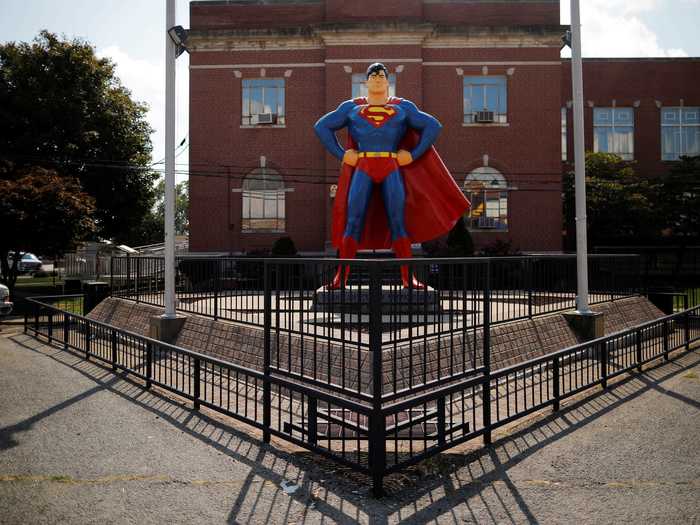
[(377, 129)]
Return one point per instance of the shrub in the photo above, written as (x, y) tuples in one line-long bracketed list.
[(284, 247)]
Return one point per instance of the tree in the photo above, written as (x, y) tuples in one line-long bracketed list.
[(63, 108), (182, 204), (679, 200), (42, 212), (618, 202)]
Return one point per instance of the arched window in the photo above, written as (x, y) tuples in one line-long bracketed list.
[(487, 190), (263, 201)]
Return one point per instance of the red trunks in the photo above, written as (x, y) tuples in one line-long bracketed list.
[(378, 168)]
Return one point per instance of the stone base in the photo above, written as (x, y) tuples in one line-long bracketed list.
[(586, 326), (395, 300), (165, 329)]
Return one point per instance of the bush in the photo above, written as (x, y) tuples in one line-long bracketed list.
[(39, 274), (284, 247), (459, 241), (500, 248)]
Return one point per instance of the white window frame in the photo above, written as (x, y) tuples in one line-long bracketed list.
[(484, 82), (488, 191), (613, 126), (247, 109), (680, 126), (273, 191), (564, 137)]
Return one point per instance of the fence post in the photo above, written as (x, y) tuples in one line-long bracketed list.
[(128, 275), (267, 387), (529, 263), (556, 386), (138, 278), (26, 321), (50, 331), (197, 383), (486, 387), (87, 340), (114, 350), (66, 330), (217, 285), (36, 318), (686, 330), (377, 426), (111, 276), (313, 420), (638, 344), (441, 423), (665, 335), (149, 364), (603, 348)]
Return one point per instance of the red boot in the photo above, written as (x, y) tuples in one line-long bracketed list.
[(348, 249), (402, 249)]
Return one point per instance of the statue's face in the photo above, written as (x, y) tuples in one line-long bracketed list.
[(377, 82)]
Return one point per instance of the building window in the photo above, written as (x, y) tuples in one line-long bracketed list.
[(359, 87), (487, 190), (680, 132), (564, 153), (485, 100), (263, 101), (263, 201), (613, 131)]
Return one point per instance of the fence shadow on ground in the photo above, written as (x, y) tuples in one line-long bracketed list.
[(471, 476)]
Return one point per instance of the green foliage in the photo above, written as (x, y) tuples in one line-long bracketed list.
[(459, 241), (40, 212), (619, 203), (182, 204), (63, 108), (284, 247), (679, 199), (499, 248)]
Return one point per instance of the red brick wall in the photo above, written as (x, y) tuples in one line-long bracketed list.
[(513, 13), (627, 81)]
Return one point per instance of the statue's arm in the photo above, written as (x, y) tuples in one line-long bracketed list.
[(331, 122), (428, 126)]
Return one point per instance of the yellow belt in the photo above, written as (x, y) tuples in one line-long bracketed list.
[(375, 154)]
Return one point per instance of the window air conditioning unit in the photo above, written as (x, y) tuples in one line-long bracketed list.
[(487, 223), (262, 118), (484, 116)]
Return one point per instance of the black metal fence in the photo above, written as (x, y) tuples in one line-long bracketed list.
[(232, 289), (373, 375)]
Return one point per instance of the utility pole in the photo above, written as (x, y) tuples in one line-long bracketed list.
[(582, 306), (170, 50)]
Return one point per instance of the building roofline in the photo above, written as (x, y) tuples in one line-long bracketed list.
[(637, 59)]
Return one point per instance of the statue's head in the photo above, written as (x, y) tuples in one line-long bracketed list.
[(378, 79)]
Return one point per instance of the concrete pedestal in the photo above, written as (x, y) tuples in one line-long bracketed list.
[(355, 300), (586, 326), (166, 329)]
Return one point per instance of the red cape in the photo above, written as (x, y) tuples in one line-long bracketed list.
[(434, 202)]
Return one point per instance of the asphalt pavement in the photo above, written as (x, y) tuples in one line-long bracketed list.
[(79, 444)]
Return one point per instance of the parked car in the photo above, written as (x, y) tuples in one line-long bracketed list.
[(28, 262), (5, 304)]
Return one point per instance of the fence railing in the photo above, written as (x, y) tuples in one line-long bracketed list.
[(376, 380), (233, 288)]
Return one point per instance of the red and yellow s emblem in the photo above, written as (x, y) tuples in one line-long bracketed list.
[(377, 115)]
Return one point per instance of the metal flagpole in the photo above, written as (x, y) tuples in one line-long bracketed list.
[(582, 306), (170, 49)]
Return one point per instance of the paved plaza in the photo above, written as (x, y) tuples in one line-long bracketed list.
[(79, 444)]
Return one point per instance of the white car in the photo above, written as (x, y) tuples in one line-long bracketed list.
[(27, 263), (5, 304)]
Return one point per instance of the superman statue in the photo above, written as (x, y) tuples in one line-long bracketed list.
[(390, 150)]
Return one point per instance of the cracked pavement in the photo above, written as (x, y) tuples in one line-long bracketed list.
[(79, 444)]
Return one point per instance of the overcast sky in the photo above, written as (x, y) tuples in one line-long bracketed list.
[(131, 33)]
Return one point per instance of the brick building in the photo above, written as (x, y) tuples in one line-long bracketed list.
[(262, 72)]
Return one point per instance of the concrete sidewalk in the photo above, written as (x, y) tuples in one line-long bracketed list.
[(79, 444)]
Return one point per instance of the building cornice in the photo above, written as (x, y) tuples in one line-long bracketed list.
[(380, 34)]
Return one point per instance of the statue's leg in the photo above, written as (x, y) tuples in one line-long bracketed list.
[(394, 194), (359, 196)]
